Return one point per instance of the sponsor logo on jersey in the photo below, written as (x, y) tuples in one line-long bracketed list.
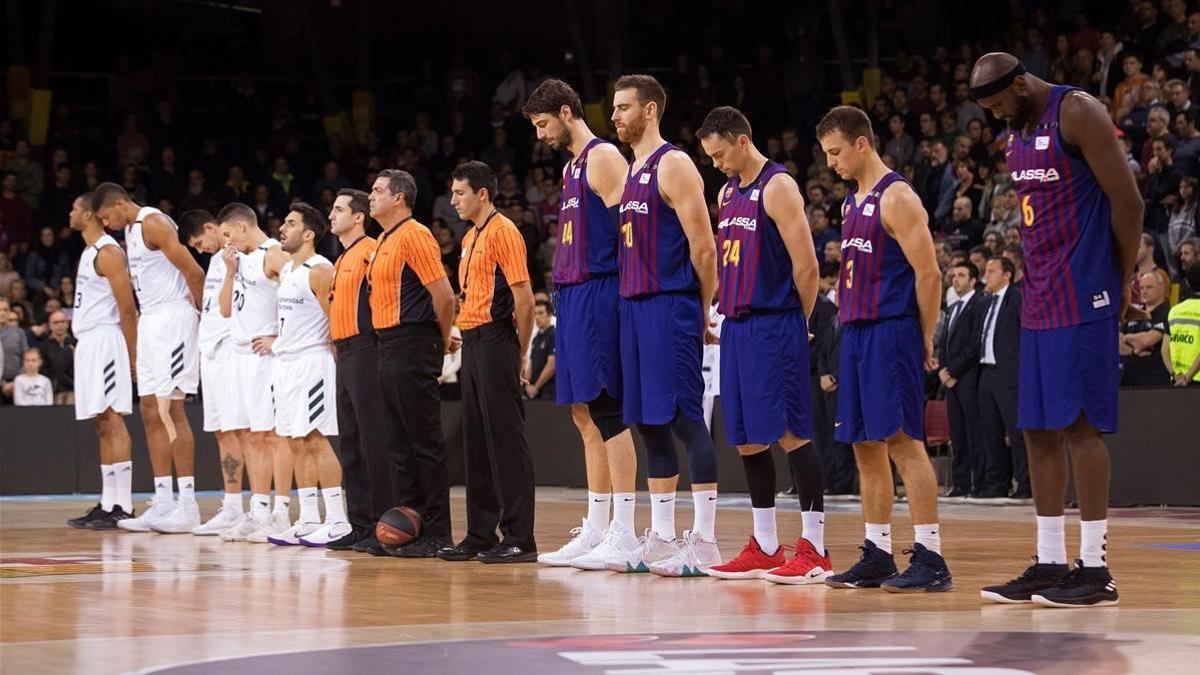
[(744, 222), (636, 207), (644, 178), (869, 210), (1041, 142), (1100, 300), (572, 203), (754, 195), (1039, 175), (863, 245)]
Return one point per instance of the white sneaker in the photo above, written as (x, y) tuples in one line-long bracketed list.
[(617, 542), (249, 525), (694, 558), (291, 536), (153, 512), (277, 523), (182, 520), (224, 519), (325, 534), (650, 549), (584, 538)]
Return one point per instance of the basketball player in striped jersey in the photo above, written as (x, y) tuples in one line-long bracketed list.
[(667, 278), (1081, 232), (105, 324), (889, 295), (198, 229), (169, 287), (588, 373), (768, 285), (305, 380), (249, 297)]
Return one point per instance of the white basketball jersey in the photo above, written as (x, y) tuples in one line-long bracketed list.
[(254, 297), (95, 304), (213, 327), (156, 282), (303, 325)]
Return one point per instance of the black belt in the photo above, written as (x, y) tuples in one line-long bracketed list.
[(354, 342)]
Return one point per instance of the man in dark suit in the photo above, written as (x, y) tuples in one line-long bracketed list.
[(836, 458), (999, 358), (959, 356)]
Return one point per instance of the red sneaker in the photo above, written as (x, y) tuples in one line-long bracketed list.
[(751, 563), (806, 567)]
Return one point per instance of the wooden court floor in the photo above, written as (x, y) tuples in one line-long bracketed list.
[(109, 602)]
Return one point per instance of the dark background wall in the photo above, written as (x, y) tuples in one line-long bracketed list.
[(1155, 458)]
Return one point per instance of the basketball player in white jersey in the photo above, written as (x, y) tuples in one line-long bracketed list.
[(169, 286), (198, 229), (249, 296), (306, 380), (105, 323)]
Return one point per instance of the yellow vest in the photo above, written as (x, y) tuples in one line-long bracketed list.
[(1184, 328)]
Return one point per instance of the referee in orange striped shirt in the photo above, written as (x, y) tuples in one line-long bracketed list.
[(412, 307), (494, 277), (363, 438)]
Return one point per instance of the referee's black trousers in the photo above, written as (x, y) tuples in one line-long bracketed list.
[(363, 435), (498, 462), (410, 361)]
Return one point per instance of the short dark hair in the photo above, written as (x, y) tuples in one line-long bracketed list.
[(972, 271), (830, 268), (849, 120), (360, 202), (401, 182), (237, 211), (545, 303), (1006, 264), (107, 193), (649, 90), (981, 250), (1166, 141), (478, 175), (313, 220), (1016, 250), (725, 121), (550, 96), (191, 223), (87, 198), (1193, 278)]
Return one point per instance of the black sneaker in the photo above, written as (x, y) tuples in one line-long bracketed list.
[(1081, 587), (1035, 579), (927, 573), (93, 514), (110, 519), (346, 543), (369, 545), (421, 547), (873, 568), (467, 550)]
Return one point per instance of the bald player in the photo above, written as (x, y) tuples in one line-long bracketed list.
[(1081, 221)]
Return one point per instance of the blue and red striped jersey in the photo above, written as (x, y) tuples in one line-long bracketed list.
[(1072, 273), (587, 242), (654, 255), (876, 281), (756, 270)]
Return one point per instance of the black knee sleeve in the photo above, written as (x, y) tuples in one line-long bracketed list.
[(661, 461), (606, 413), (697, 442)]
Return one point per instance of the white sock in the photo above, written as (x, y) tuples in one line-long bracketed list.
[(814, 529), (124, 493), (335, 508), (282, 504), (927, 536), (598, 510), (1052, 540), (108, 490), (260, 507), (764, 530), (881, 535), (232, 501), (623, 503), (310, 511), (704, 518), (662, 515), (1093, 543), (162, 490), (187, 488)]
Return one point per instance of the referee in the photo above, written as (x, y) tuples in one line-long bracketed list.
[(362, 437), (495, 288), (412, 307)]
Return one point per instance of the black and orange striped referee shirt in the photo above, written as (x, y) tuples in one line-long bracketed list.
[(407, 260), (349, 303), (493, 261)]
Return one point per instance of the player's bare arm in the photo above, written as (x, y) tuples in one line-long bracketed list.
[(523, 313), (606, 173), (907, 222), (683, 189), (785, 206), (160, 235), (111, 264), (320, 280), (274, 261)]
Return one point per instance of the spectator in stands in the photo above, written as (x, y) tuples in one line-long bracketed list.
[(1141, 339), (7, 275), (30, 387), (979, 255), (1178, 96), (963, 230), (1158, 125), (999, 365), (15, 212), (1183, 221), (59, 350), (1005, 211), (900, 145), (133, 146), (1162, 185), (1016, 256), (968, 184), (1012, 235), (13, 341), (541, 357), (1132, 66), (28, 174), (1187, 149), (18, 298), (283, 187), (236, 187), (958, 354), (833, 252), (56, 202), (994, 243), (165, 179), (196, 196), (837, 459)]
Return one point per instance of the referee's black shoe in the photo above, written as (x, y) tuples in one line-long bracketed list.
[(466, 550), (507, 553), (346, 543)]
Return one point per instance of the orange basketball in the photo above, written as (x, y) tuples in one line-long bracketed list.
[(398, 526)]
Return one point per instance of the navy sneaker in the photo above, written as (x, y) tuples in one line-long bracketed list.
[(1035, 579), (95, 513), (927, 572), (1081, 587), (873, 568)]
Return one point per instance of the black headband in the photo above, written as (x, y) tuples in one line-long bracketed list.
[(999, 84)]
